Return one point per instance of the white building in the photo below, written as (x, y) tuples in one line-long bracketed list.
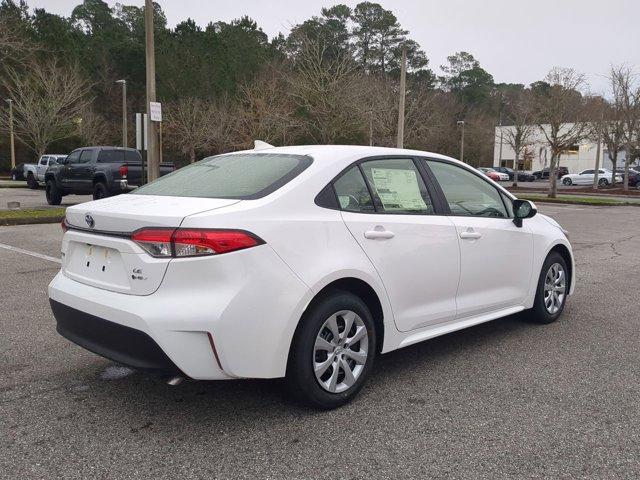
[(538, 155)]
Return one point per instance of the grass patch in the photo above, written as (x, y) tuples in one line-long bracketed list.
[(27, 216), (572, 199)]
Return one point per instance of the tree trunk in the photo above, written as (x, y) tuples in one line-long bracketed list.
[(553, 177), (614, 163), (192, 154), (515, 170), (627, 161)]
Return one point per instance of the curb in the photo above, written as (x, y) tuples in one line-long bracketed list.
[(30, 221)]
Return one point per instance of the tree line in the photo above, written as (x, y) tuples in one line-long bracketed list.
[(332, 79)]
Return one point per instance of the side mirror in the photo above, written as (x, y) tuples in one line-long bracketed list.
[(523, 209)]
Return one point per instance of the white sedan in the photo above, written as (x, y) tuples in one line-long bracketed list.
[(586, 177), (304, 263)]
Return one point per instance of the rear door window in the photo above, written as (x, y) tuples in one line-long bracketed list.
[(243, 176)]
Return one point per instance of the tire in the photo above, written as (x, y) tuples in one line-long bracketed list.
[(603, 182), (333, 388), (32, 183), (541, 312), (52, 193), (567, 181), (100, 191)]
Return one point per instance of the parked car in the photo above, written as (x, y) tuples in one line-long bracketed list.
[(524, 176), (300, 262), (544, 173), (34, 172), (634, 176), (17, 172), (102, 171), (586, 177), (493, 175), (506, 170)]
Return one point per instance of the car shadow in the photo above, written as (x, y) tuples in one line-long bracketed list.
[(141, 400)]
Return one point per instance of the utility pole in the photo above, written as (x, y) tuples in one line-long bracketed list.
[(124, 112), (598, 148), (460, 123), (403, 81), (13, 148), (153, 164)]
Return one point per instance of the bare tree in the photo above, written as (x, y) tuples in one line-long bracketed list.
[(613, 135), (194, 125), (93, 129), (328, 94), (560, 116), (47, 103), (626, 101), (519, 135)]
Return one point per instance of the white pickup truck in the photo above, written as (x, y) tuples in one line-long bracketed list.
[(34, 172)]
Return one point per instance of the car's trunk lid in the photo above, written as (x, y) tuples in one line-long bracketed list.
[(98, 251)]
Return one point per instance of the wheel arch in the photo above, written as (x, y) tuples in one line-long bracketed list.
[(99, 178), (566, 255)]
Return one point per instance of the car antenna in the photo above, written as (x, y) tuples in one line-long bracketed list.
[(260, 145)]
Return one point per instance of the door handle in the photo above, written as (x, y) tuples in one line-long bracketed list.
[(378, 234), (470, 235)]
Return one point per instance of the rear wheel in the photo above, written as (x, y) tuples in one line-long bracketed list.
[(553, 287), (566, 181), (332, 351), (52, 193), (32, 183), (100, 191), (603, 182)]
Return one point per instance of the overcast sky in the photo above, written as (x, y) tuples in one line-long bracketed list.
[(517, 41)]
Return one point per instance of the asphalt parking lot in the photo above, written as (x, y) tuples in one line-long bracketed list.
[(507, 399), (36, 198)]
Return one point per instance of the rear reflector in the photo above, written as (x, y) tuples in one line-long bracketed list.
[(193, 242)]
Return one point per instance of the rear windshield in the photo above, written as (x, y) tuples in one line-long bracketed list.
[(118, 156), (239, 176)]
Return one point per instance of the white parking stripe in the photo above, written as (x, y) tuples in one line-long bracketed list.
[(33, 254)]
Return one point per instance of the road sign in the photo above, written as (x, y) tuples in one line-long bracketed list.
[(155, 111), (142, 128)]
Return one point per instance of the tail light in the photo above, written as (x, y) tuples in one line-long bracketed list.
[(124, 171), (193, 242)]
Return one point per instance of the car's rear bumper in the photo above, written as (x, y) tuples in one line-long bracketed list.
[(120, 343), (214, 318)]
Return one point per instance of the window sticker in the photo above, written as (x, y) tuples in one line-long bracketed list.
[(398, 189)]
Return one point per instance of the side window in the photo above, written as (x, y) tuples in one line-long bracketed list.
[(466, 193), (398, 186), (588, 172), (74, 156), (43, 160), (352, 192), (85, 156), (132, 156)]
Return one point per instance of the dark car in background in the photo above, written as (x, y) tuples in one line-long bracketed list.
[(17, 172), (544, 173), (634, 175), (101, 171), (522, 175)]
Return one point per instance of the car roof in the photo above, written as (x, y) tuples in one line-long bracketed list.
[(330, 155)]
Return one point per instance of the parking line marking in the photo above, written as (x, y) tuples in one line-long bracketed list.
[(28, 252)]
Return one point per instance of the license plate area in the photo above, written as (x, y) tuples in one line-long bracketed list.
[(97, 265)]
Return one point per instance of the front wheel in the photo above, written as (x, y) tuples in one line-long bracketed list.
[(332, 351), (566, 181), (553, 287)]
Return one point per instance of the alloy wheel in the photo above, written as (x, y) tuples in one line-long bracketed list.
[(555, 287), (340, 351)]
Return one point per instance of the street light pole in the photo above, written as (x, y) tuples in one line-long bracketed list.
[(460, 123), (150, 61), (124, 112), (13, 149)]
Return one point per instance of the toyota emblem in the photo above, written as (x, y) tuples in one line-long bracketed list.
[(89, 219)]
